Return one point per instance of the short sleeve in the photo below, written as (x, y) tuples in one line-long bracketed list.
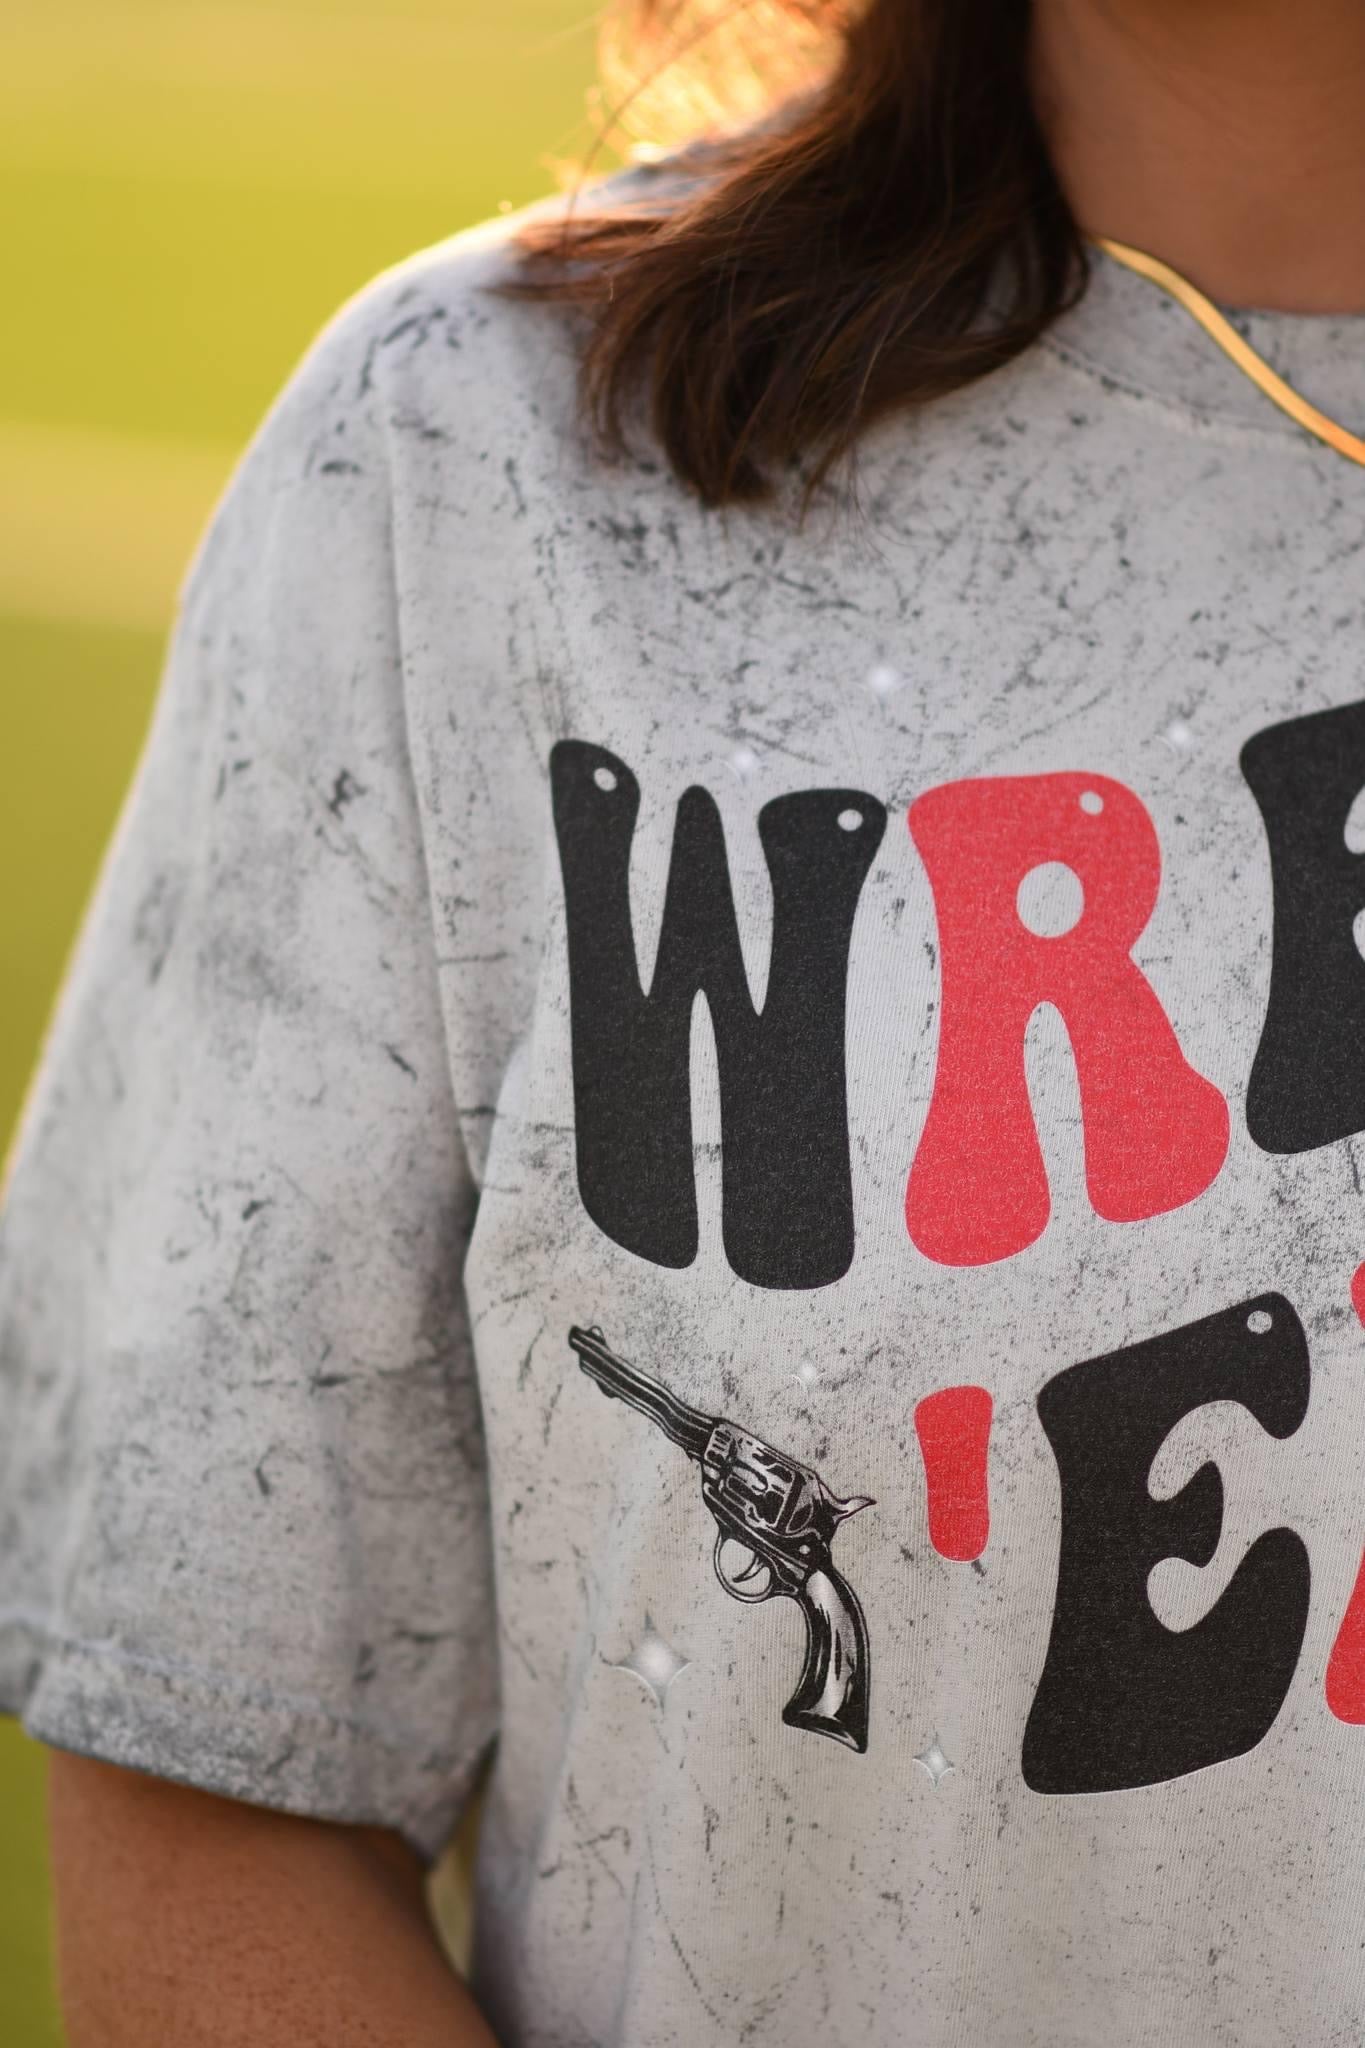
[(243, 1509)]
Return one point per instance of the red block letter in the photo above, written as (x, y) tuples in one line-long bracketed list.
[(1156, 1132)]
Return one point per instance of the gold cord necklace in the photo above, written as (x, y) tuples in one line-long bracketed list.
[(1214, 323)]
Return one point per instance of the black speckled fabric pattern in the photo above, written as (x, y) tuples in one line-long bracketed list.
[(305, 1495)]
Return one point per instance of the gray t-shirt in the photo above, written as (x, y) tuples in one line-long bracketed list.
[(974, 1267)]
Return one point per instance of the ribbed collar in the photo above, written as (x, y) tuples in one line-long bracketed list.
[(1131, 332)]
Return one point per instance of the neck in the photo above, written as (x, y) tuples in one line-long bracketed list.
[(1225, 136)]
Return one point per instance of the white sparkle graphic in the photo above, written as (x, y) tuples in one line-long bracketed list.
[(806, 1373), (1178, 736), (654, 1662), (935, 1762), (744, 761), (883, 679)]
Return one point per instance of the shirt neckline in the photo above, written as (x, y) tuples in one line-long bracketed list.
[(1127, 331)]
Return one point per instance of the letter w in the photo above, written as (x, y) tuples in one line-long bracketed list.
[(787, 1207)]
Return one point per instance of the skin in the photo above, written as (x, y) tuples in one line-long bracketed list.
[(1224, 136), (208, 1923)]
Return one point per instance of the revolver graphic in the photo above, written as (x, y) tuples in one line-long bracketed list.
[(784, 1516)]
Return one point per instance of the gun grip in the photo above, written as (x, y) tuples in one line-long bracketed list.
[(832, 1695)]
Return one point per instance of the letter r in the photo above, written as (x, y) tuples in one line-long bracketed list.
[(1156, 1132)]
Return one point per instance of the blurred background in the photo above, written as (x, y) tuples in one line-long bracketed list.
[(188, 189)]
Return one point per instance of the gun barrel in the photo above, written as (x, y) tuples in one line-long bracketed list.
[(687, 1427)]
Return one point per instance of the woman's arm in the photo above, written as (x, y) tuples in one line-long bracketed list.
[(186, 1918)]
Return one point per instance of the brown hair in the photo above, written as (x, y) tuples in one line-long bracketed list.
[(880, 237)]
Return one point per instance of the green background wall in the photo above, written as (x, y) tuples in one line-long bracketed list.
[(187, 189)]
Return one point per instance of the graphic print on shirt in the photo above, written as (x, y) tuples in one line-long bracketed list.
[(787, 1192), (1307, 1086), (1123, 1700), (1156, 1132), (775, 1525)]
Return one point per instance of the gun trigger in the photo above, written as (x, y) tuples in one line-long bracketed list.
[(752, 1570)]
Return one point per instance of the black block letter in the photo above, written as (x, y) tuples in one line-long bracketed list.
[(1124, 1700), (785, 1175), (1307, 1084)]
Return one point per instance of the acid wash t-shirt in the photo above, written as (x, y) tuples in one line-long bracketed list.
[(879, 1005)]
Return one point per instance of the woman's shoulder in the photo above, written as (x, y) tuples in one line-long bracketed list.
[(444, 342), (424, 377)]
